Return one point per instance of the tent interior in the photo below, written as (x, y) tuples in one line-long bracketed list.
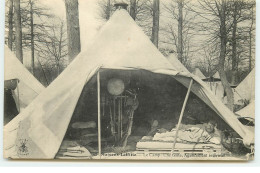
[(10, 108), (160, 97)]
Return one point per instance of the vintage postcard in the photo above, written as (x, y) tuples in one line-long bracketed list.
[(129, 79)]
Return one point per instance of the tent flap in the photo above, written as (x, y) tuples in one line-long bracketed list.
[(28, 87)]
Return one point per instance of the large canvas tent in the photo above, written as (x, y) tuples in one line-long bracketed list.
[(28, 87), (198, 73), (121, 45), (246, 89)]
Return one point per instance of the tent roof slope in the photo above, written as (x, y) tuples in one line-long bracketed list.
[(120, 44), (14, 69), (28, 88), (176, 63), (216, 75), (248, 111), (198, 73), (246, 88)]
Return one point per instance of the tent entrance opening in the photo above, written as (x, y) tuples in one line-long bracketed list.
[(133, 104)]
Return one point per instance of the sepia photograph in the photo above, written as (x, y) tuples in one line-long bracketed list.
[(129, 80)]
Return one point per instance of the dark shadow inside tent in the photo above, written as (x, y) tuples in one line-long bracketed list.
[(10, 108), (160, 97)]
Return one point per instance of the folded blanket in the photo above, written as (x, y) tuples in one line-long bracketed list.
[(84, 125), (72, 149), (167, 136), (77, 151)]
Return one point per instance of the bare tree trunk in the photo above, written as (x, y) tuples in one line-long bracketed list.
[(32, 36), (60, 54), (250, 39), (73, 30), (18, 30), (223, 43), (58, 69), (133, 9), (250, 51), (155, 29), (10, 25), (44, 74), (234, 45), (180, 29)]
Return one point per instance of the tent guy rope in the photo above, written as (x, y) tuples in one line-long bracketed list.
[(99, 120), (18, 96), (181, 115)]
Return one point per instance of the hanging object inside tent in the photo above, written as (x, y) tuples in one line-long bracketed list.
[(115, 86), (121, 110)]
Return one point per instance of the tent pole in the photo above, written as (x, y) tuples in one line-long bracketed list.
[(121, 117), (114, 115), (99, 120), (119, 120), (181, 115), (18, 100)]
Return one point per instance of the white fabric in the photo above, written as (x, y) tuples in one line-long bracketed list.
[(168, 145), (28, 87), (246, 89), (120, 44), (216, 75), (176, 63), (198, 73), (193, 134), (248, 111)]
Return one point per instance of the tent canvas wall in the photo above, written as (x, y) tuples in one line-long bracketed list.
[(119, 45), (28, 86), (198, 73), (248, 111), (216, 75), (246, 89), (177, 64), (247, 115)]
